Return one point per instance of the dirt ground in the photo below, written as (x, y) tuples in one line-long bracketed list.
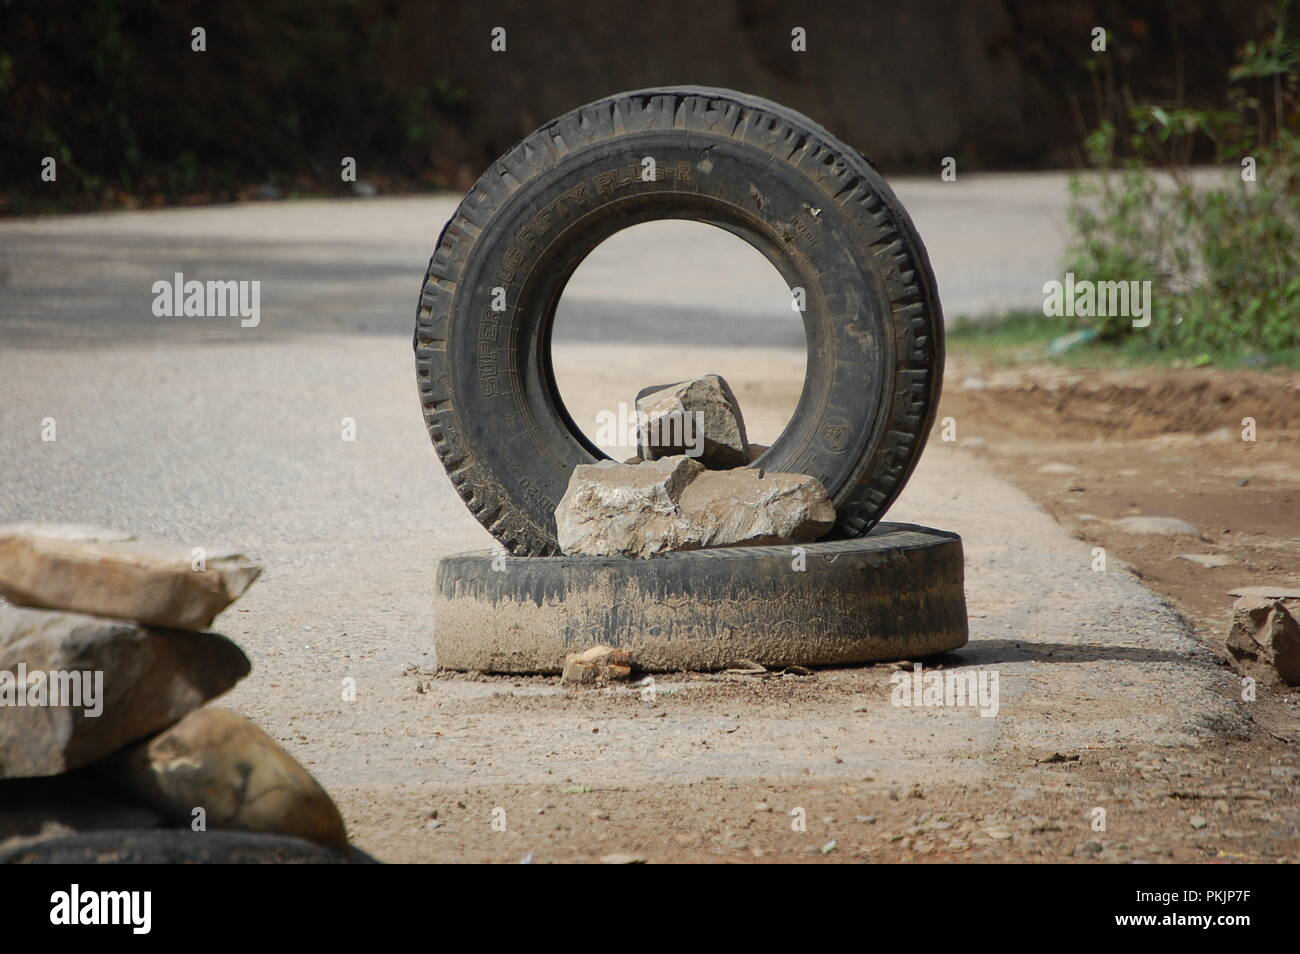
[(1229, 800), (1160, 443), (1094, 447)]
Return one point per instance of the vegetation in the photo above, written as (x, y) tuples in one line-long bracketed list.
[(1222, 248)]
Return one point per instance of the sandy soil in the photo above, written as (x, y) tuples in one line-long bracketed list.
[(1095, 447)]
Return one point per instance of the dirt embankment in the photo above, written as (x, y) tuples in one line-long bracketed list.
[(1218, 449)]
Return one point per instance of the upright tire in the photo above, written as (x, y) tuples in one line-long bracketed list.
[(815, 207)]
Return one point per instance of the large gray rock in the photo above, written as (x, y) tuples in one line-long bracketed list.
[(673, 503), (219, 761), (698, 418), (1264, 641), (124, 682), (752, 508), (629, 509), (108, 573)]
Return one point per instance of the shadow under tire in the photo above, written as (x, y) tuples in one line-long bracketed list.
[(812, 205)]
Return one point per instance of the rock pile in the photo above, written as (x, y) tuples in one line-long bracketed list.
[(689, 486), (104, 667)]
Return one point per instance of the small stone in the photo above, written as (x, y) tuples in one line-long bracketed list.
[(762, 807), (1058, 468), (217, 760), (596, 665), (698, 418), (622, 859), (1210, 561), (1264, 640), (1198, 821), (1163, 526), (141, 679), (109, 573)]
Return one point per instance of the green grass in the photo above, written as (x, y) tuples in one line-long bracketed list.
[(1024, 337)]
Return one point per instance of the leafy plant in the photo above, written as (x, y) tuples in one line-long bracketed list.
[(1221, 247)]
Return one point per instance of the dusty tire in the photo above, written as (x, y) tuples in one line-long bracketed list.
[(815, 207), (895, 593)]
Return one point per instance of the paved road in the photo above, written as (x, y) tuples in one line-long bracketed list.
[(233, 436), (345, 266)]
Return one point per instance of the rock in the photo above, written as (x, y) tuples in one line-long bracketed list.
[(597, 664), (1198, 821), (751, 508), (1165, 526), (621, 859), (217, 760), (1210, 561), (108, 573), (1264, 641), (1272, 592), (1058, 468), (612, 508), (698, 418), (132, 680), (672, 503)]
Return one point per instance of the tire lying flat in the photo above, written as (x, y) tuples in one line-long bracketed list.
[(894, 594), (814, 206)]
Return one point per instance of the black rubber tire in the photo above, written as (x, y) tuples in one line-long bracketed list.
[(896, 593), (815, 207), (170, 846)]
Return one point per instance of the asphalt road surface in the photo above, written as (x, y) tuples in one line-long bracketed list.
[(201, 431)]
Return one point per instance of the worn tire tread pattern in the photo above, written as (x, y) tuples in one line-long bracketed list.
[(845, 176)]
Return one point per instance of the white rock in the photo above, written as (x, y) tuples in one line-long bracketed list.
[(1210, 561), (639, 510), (109, 573), (1163, 526)]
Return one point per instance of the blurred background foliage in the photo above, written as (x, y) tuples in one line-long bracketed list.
[(286, 88), (1221, 247)]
